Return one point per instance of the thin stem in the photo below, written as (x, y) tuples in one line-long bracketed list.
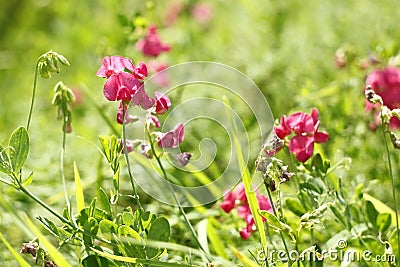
[(64, 138), (276, 214), (191, 229), (41, 203), (33, 95), (393, 189), (136, 196)]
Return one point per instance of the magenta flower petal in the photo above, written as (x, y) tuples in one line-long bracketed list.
[(321, 137), (179, 132), (302, 146), (141, 98), (151, 45), (183, 158), (120, 86), (113, 65), (163, 103), (167, 140)]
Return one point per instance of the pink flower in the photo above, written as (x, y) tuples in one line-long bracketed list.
[(305, 127), (202, 13), (153, 121), (140, 71), (163, 103), (173, 138), (124, 86), (113, 65), (151, 45), (238, 198), (183, 158), (386, 83), (121, 86), (121, 112)]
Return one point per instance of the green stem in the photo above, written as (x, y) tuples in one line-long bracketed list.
[(64, 138), (393, 190), (136, 196), (33, 95), (189, 225), (276, 215), (43, 204)]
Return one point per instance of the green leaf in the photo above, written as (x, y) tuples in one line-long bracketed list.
[(383, 221), (372, 213), (107, 226), (21, 261), (124, 230), (105, 201), (5, 165), (159, 231), (382, 207), (96, 261), (128, 219), (19, 148), (311, 186), (28, 180), (295, 206), (243, 259), (49, 225), (338, 215)]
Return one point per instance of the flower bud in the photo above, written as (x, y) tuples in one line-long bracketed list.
[(395, 140), (371, 96)]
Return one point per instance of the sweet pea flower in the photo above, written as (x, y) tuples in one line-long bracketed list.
[(305, 127), (113, 65), (202, 13), (124, 86), (237, 198), (183, 158), (151, 45), (386, 83), (163, 103), (128, 118), (173, 138), (153, 121)]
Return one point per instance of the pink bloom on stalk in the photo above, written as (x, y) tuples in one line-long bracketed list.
[(121, 112), (238, 198), (173, 138), (151, 45), (124, 86), (183, 158), (163, 103), (386, 83), (113, 65), (305, 127), (121, 86), (153, 121), (202, 13)]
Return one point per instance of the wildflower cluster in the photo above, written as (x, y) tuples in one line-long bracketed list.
[(305, 128), (125, 83), (237, 198)]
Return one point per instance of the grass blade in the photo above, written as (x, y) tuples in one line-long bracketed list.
[(80, 200)]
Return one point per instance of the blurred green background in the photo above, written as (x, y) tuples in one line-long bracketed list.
[(286, 47)]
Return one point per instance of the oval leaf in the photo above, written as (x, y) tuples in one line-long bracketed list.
[(19, 148)]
